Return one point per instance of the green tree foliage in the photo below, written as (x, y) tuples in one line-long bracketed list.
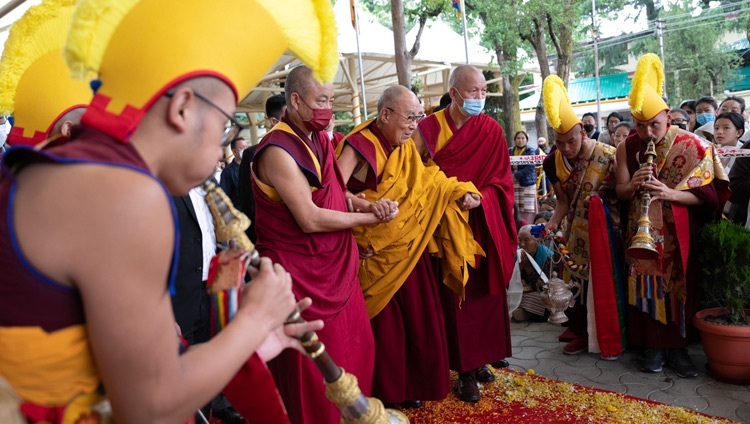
[(414, 10), (401, 16), (499, 21), (725, 267), (695, 63)]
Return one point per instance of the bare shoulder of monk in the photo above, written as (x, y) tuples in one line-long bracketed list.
[(100, 212)]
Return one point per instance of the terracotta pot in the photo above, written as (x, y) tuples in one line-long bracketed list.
[(726, 348)]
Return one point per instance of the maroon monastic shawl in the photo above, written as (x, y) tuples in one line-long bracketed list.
[(324, 267), (478, 153)]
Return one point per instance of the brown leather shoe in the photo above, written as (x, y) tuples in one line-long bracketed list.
[(484, 375), (468, 390)]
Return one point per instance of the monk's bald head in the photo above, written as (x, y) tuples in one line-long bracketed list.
[(464, 75), (395, 95), (305, 96), (300, 80), (399, 112)]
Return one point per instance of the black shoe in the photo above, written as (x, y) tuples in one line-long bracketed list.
[(484, 375), (653, 360), (411, 404), (468, 391), (500, 364), (680, 362), (228, 416)]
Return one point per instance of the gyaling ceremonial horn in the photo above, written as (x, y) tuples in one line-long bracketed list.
[(642, 246), (341, 387)]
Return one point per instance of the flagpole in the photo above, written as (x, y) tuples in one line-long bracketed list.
[(363, 95), (466, 36), (595, 33)]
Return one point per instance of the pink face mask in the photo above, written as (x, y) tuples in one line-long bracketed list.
[(320, 119)]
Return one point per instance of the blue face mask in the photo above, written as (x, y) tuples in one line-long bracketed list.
[(471, 107), (704, 118)]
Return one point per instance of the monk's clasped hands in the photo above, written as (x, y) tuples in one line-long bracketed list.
[(385, 210), (469, 201)]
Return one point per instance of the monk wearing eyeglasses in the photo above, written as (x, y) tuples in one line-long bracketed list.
[(380, 160)]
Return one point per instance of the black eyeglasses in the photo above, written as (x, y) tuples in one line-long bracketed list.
[(232, 128), (411, 119)]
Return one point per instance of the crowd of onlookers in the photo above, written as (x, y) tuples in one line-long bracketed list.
[(725, 124)]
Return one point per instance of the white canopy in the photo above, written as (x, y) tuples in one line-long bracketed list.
[(441, 50)]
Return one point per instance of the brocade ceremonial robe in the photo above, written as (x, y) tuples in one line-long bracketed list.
[(591, 232), (478, 328), (323, 266), (400, 288), (664, 291)]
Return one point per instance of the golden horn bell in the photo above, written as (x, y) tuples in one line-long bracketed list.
[(642, 246), (229, 223)]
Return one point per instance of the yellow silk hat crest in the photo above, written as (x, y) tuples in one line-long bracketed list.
[(35, 83), (138, 49), (560, 114), (647, 88)]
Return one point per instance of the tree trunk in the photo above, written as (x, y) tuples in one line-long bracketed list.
[(565, 35), (651, 12), (403, 56), (511, 112), (537, 40)]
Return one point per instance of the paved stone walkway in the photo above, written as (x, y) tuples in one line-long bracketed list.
[(535, 345)]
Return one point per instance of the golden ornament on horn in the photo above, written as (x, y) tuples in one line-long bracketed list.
[(642, 246), (341, 387)]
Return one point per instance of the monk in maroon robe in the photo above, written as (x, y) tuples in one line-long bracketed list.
[(304, 225), (471, 146), (688, 187)]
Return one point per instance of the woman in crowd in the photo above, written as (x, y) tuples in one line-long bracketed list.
[(524, 178), (531, 307), (607, 136), (728, 128), (621, 132), (689, 107)]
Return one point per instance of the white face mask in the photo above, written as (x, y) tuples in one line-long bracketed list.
[(330, 135), (241, 152)]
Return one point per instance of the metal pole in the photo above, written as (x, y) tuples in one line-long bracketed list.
[(9, 7), (660, 35), (363, 94), (595, 33), (466, 36)]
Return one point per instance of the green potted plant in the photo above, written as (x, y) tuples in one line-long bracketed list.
[(724, 256)]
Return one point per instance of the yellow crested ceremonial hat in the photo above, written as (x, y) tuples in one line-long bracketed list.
[(35, 83), (138, 49), (560, 114), (647, 88)]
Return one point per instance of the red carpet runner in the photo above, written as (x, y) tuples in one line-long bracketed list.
[(524, 398)]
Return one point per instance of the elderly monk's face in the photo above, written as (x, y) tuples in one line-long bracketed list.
[(315, 96), (654, 128), (400, 118), (470, 85), (569, 144)]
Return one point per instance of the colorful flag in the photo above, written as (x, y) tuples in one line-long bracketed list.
[(457, 5)]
